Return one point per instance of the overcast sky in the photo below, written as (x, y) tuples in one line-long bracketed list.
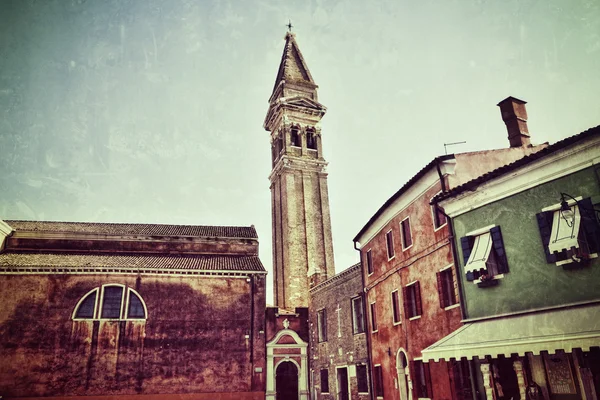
[(151, 111)]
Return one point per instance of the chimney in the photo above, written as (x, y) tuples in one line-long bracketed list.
[(514, 116)]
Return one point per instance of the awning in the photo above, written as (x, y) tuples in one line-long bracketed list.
[(480, 253), (564, 329), (565, 231)]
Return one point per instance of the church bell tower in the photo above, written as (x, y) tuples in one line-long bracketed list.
[(302, 244)]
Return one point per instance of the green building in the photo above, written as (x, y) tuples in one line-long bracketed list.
[(526, 241)]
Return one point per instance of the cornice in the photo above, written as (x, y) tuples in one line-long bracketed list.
[(343, 276), (293, 164), (46, 270)]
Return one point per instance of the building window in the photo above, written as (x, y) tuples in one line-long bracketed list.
[(109, 302), (369, 262), (462, 379), (311, 140), (361, 378), (484, 255), (322, 325), (358, 318), (412, 300), (446, 287), (378, 380), (324, 381), (396, 307), (389, 240), (295, 137), (373, 318), (406, 234), (439, 219), (422, 380), (569, 236)]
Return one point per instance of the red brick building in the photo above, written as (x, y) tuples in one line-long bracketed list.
[(412, 298), (131, 311)]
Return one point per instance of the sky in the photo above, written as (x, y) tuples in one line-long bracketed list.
[(151, 111)]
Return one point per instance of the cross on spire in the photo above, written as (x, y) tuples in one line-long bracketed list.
[(289, 25)]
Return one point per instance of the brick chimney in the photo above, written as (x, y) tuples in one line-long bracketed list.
[(514, 116)]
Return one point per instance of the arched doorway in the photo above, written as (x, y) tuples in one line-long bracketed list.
[(402, 369), (286, 381)]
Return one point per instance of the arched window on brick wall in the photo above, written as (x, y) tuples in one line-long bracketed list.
[(112, 301)]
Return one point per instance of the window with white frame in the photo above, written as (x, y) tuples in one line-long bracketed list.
[(369, 261), (322, 325), (378, 380), (439, 219), (358, 318), (373, 318), (396, 307), (324, 380), (447, 287), (412, 300), (570, 233), (362, 379), (406, 233), (112, 301), (484, 255), (389, 241)]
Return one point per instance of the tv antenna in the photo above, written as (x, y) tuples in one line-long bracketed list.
[(451, 144)]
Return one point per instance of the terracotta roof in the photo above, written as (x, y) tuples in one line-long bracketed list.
[(134, 262), (561, 144), (401, 191), (103, 228)]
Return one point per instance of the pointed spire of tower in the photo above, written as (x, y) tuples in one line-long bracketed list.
[(293, 71), (302, 242)]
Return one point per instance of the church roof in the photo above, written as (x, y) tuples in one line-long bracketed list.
[(100, 263), (121, 229), (292, 67)]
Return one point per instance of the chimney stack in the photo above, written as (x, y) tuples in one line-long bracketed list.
[(514, 116)]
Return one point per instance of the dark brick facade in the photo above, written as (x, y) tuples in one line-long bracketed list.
[(203, 333), (343, 348)]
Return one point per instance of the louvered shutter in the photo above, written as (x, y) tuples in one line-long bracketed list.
[(440, 288), (498, 244), (418, 298), (466, 244), (544, 220), (406, 300), (589, 224), (428, 380)]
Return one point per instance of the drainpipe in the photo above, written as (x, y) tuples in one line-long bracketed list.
[(463, 312), (367, 333)]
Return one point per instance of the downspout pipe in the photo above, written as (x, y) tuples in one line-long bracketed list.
[(367, 333)]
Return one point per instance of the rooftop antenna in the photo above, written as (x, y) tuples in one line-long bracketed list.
[(289, 25), (451, 144)]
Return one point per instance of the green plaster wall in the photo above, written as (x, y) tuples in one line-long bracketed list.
[(531, 282)]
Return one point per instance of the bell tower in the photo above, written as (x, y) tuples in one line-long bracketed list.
[(302, 244)]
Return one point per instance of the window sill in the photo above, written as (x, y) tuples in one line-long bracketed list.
[(358, 333), (492, 282), (451, 307), (573, 264), (406, 248), (414, 318), (392, 257), (397, 323), (439, 227), (375, 331)]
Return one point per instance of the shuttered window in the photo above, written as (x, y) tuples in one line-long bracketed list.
[(483, 254), (412, 300), (447, 287)]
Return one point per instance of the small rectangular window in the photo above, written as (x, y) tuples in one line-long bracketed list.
[(358, 319), (111, 303), (412, 300), (373, 318), (378, 381), (446, 288), (369, 262), (361, 378), (324, 381), (483, 254), (439, 219), (422, 380), (396, 307), (389, 240), (406, 233), (322, 325)]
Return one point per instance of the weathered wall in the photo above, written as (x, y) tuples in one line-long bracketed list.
[(546, 284), (194, 339), (348, 348), (429, 253)]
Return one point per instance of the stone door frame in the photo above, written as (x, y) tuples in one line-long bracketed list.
[(287, 356)]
